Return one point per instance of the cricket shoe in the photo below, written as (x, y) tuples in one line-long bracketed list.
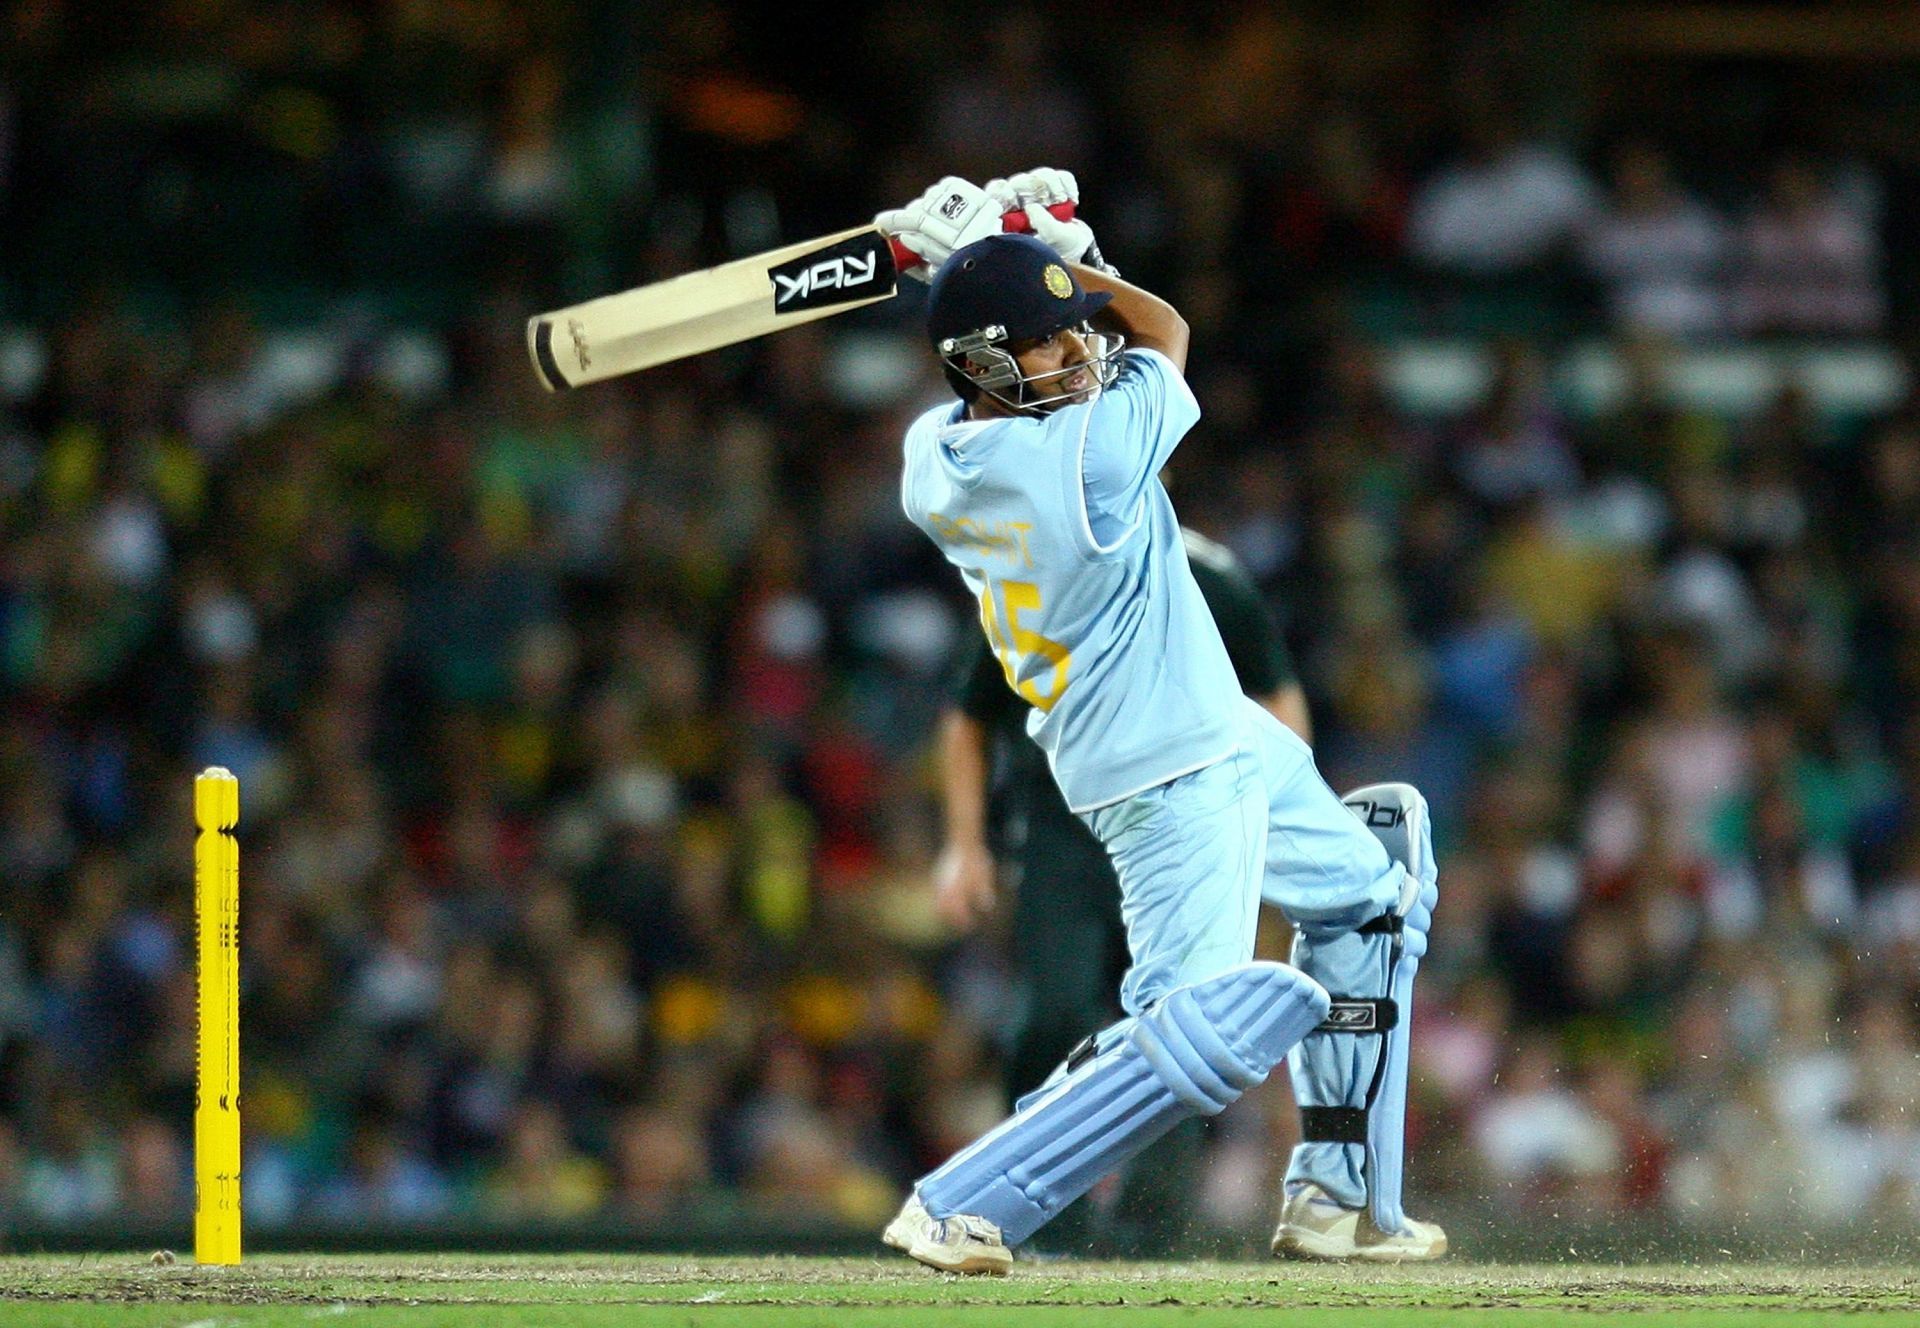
[(1313, 1226), (958, 1244)]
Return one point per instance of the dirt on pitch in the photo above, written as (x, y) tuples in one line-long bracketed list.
[(598, 1279)]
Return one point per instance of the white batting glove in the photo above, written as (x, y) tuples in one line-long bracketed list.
[(1072, 240), (1049, 186), (1044, 185), (951, 215)]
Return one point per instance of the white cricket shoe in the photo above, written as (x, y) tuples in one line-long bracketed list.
[(958, 1244), (1313, 1226)]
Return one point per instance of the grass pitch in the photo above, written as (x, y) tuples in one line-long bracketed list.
[(601, 1291)]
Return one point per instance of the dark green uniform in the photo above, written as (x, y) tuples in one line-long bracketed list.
[(1070, 947)]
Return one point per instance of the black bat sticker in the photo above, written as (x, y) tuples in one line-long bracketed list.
[(854, 269)]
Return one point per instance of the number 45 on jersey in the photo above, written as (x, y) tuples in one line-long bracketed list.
[(1017, 646)]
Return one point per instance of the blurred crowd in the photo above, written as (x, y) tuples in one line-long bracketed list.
[(584, 741)]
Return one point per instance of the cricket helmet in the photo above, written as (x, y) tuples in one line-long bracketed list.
[(1003, 290)]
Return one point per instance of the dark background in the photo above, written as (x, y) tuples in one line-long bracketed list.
[(1556, 367)]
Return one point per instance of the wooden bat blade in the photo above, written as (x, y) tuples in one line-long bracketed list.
[(702, 311)]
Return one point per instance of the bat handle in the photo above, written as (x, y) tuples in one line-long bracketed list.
[(1016, 220)]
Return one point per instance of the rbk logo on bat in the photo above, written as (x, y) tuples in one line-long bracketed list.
[(855, 269)]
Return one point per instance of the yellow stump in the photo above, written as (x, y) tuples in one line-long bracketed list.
[(216, 1108)]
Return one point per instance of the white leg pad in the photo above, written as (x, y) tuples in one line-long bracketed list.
[(1350, 1076)]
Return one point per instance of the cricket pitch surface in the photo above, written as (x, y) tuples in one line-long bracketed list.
[(129, 1290)]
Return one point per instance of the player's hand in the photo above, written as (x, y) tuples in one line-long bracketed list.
[(1048, 187), (963, 891), (951, 215), (1072, 240), (1044, 185)]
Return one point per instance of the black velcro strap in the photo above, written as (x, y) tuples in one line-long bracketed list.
[(1360, 1014), (1083, 1051), (1333, 1125), (1387, 924)]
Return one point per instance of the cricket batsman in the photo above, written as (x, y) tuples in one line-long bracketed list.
[(1067, 935), (1041, 486)]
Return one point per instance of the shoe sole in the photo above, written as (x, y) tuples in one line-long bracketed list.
[(933, 1256), (1300, 1243)]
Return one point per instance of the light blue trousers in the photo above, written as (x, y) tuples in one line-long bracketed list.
[(1195, 856)]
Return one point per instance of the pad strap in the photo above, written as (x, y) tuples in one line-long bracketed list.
[(1360, 1014), (1083, 1051), (1333, 1125)]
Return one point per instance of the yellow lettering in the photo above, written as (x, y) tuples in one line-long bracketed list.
[(1018, 597), (1026, 554), (1007, 539)]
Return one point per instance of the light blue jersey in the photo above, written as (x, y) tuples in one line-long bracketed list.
[(1065, 536)]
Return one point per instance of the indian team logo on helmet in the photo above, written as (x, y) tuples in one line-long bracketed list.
[(1059, 284)]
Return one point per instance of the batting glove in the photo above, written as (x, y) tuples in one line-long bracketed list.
[(1044, 185), (1047, 186), (1072, 240), (951, 215)]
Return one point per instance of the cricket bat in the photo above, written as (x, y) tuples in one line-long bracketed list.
[(718, 306)]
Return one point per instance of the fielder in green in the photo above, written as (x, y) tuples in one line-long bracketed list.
[(1069, 945)]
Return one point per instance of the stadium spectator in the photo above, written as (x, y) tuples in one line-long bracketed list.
[(1809, 258), (1539, 1139), (1505, 205), (1658, 252), (579, 733)]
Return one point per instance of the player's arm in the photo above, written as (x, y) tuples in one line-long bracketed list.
[(1147, 321), (963, 874), (1288, 704), (977, 695)]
